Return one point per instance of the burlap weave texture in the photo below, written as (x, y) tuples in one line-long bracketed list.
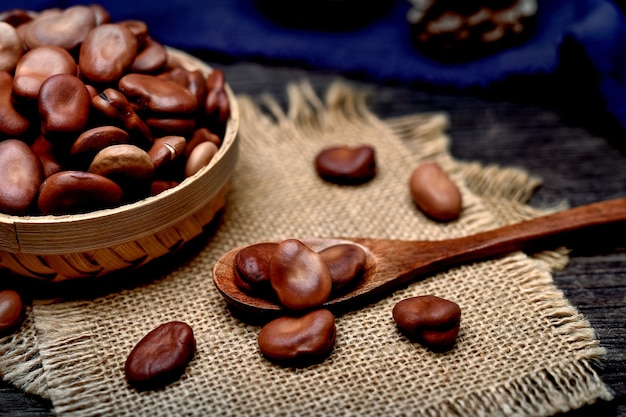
[(522, 348)]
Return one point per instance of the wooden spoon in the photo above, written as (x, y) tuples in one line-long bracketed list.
[(391, 264)]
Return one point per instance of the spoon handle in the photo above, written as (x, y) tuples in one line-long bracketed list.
[(521, 235)]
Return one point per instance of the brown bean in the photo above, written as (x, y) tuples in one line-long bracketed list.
[(461, 32), (64, 103), (11, 47), (346, 263), (151, 58), (434, 192), (346, 165), (138, 28), (11, 311), (161, 356), (158, 186), (100, 14), (171, 126), (44, 149), (166, 149), (65, 29), (123, 162), (299, 340), (216, 104), (200, 157), (77, 192), (37, 65), (93, 140), (114, 104), (194, 81), (24, 27), (16, 17), (92, 90), (107, 52), (157, 94), (201, 135), (13, 123), (252, 265), (299, 276), (20, 177), (431, 320)]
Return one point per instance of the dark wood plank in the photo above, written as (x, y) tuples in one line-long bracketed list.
[(14, 402)]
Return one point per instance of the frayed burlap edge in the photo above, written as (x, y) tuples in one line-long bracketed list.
[(562, 388), (21, 364), (505, 192)]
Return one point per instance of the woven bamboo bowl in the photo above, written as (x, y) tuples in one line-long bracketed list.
[(58, 248)]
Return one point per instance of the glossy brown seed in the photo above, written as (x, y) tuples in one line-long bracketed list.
[(434, 192), (64, 103), (158, 186), (252, 265), (299, 340), (431, 320), (200, 157), (201, 135), (37, 65), (114, 104), (299, 276), (65, 29), (123, 162), (93, 140), (13, 123), (161, 356), (44, 149), (194, 81), (107, 52), (464, 31), (77, 192), (20, 177), (138, 28), (23, 27), (151, 58), (216, 104), (171, 126), (11, 47), (166, 149), (346, 165), (156, 94), (11, 311), (16, 17), (346, 263), (92, 90), (101, 15)]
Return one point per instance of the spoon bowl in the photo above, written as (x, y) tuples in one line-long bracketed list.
[(391, 263)]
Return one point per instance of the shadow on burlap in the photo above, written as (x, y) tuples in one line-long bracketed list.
[(522, 349)]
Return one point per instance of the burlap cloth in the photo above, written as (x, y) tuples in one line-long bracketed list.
[(522, 349)]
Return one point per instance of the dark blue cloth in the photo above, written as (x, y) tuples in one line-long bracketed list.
[(382, 51)]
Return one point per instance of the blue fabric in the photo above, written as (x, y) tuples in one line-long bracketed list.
[(381, 51)]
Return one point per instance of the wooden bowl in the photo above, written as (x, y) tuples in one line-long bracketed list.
[(58, 248)]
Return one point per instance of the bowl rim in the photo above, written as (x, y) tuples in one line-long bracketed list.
[(47, 234)]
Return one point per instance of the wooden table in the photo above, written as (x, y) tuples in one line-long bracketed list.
[(542, 125)]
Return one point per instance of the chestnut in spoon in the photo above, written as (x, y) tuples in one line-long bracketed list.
[(391, 264)]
